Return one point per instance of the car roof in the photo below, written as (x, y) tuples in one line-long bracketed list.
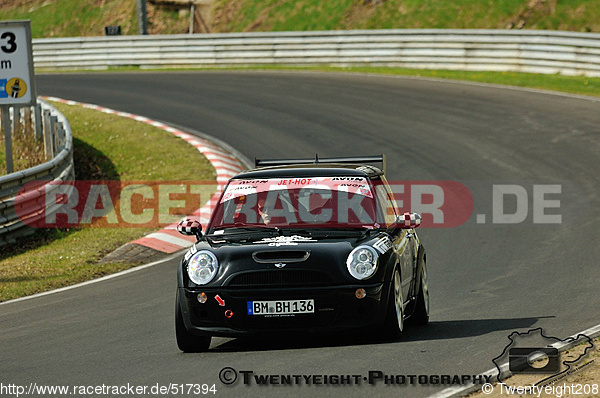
[(311, 170)]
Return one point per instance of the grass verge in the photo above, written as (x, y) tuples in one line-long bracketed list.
[(278, 15), (64, 18), (74, 18), (106, 147)]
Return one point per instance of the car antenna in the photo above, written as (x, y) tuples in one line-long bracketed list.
[(316, 158)]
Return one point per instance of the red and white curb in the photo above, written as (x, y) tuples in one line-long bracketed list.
[(226, 165)]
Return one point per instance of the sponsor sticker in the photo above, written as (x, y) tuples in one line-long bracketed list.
[(383, 245)]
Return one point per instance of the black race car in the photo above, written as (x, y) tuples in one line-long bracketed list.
[(302, 245)]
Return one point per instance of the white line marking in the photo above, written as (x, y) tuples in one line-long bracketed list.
[(101, 279)]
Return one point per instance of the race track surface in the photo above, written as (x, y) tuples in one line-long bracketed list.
[(486, 280)]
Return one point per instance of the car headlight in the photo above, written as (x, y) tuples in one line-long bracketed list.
[(362, 262), (202, 267)]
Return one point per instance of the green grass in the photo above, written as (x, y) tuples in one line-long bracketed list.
[(280, 15), (136, 150), (63, 18), (71, 18), (273, 15), (107, 147)]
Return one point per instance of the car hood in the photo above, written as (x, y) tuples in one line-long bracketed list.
[(286, 260)]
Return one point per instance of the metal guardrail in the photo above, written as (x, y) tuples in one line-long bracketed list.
[(492, 50), (18, 208)]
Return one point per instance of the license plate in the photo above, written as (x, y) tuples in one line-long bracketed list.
[(281, 307)]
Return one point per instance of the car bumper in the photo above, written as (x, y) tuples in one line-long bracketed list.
[(336, 308)]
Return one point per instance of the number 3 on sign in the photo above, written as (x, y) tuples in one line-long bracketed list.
[(11, 44)]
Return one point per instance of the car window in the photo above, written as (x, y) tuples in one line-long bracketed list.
[(334, 202), (386, 200)]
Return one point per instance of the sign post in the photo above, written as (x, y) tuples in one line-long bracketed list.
[(17, 82), (7, 139)]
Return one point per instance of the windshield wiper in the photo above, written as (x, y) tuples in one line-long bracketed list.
[(245, 232), (342, 232), (244, 227), (261, 231), (289, 231)]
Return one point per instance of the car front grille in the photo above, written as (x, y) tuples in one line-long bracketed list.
[(280, 278)]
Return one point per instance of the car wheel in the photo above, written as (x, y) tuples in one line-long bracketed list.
[(421, 315), (395, 313), (186, 341)]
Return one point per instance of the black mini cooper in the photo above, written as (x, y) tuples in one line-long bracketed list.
[(302, 245)]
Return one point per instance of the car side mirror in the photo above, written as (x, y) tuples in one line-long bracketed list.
[(190, 228), (408, 220)]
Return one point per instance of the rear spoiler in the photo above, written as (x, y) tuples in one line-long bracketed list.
[(344, 160)]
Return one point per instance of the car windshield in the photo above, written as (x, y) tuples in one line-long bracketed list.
[(300, 203)]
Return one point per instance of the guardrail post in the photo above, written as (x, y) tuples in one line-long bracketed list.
[(60, 137), (38, 126), (48, 138), (54, 129)]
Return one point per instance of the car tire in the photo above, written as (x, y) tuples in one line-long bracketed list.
[(186, 341), (421, 314), (394, 325)]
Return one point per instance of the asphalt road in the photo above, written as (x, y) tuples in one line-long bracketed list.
[(486, 280)]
